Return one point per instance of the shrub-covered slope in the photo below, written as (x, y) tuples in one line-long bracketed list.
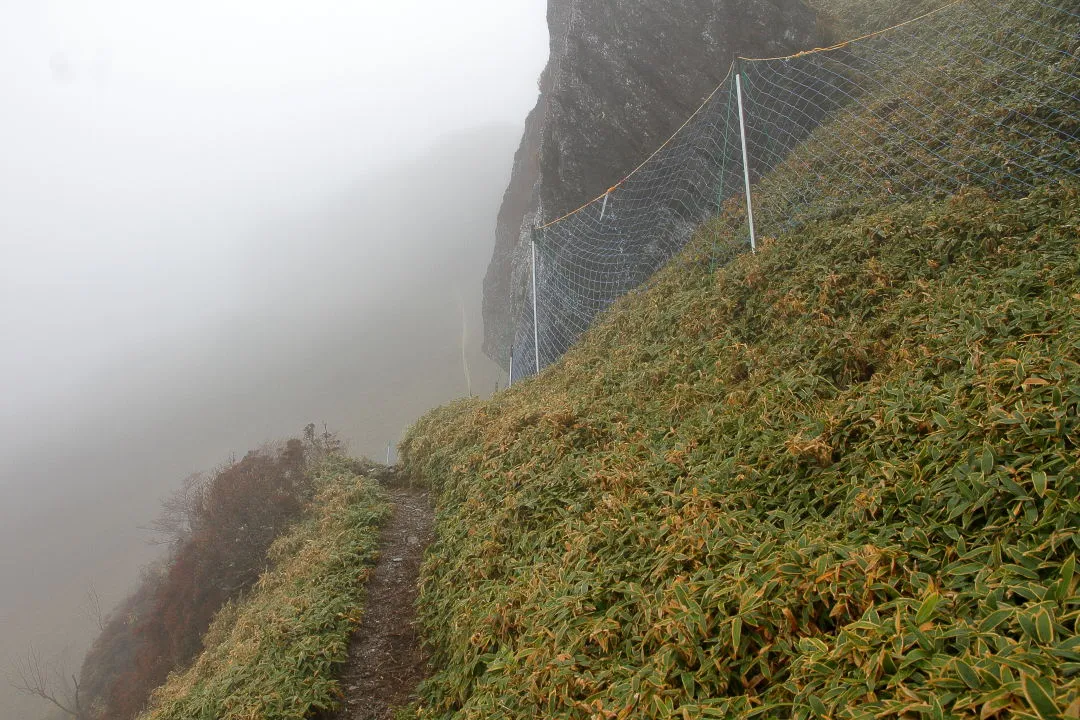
[(218, 527), (837, 478), (274, 653)]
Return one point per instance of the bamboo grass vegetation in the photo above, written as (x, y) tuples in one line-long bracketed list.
[(835, 479), (274, 654)]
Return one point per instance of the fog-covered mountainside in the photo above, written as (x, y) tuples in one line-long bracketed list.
[(831, 475), (621, 77), (352, 315)]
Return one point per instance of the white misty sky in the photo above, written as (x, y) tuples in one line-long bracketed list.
[(142, 141), (196, 198)]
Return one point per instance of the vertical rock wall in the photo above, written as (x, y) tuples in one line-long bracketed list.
[(621, 77)]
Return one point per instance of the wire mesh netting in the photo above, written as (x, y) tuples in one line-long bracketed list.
[(979, 93)]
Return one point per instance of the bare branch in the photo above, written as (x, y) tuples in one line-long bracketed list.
[(179, 511), (37, 678), (92, 607)]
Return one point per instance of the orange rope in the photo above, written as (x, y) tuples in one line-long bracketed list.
[(667, 142), (711, 95), (845, 43)]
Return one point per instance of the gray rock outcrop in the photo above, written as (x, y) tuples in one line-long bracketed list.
[(621, 77)]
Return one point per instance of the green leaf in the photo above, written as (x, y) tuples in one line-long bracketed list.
[(967, 569), (1040, 696), (1013, 487), (1027, 624), (1067, 569), (987, 460), (1044, 626), (1038, 479), (926, 610), (991, 621), (736, 633), (968, 675)]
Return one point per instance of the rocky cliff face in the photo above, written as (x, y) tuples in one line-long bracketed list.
[(622, 76)]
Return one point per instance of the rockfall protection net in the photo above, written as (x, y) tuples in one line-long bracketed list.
[(982, 93)]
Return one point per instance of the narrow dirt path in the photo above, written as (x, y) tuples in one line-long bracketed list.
[(386, 658)]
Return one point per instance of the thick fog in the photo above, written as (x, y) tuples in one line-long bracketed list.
[(220, 221)]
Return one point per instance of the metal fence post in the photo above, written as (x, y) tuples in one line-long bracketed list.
[(510, 381), (536, 323), (745, 157)]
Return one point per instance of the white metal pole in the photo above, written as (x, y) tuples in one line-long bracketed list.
[(745, 160), (388, 453), (536, 324), (510, 382)]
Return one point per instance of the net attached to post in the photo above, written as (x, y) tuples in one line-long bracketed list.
[(980, 93)]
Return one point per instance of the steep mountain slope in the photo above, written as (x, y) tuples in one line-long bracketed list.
[(838, 478), (353, 316), (273, 653)]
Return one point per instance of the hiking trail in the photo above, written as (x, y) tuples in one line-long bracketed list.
[(386, 656)]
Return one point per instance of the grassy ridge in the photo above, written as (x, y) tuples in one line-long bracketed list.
[(274, 654), (835, 479)]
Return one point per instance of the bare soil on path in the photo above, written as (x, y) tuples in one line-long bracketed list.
[(386, 657)]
